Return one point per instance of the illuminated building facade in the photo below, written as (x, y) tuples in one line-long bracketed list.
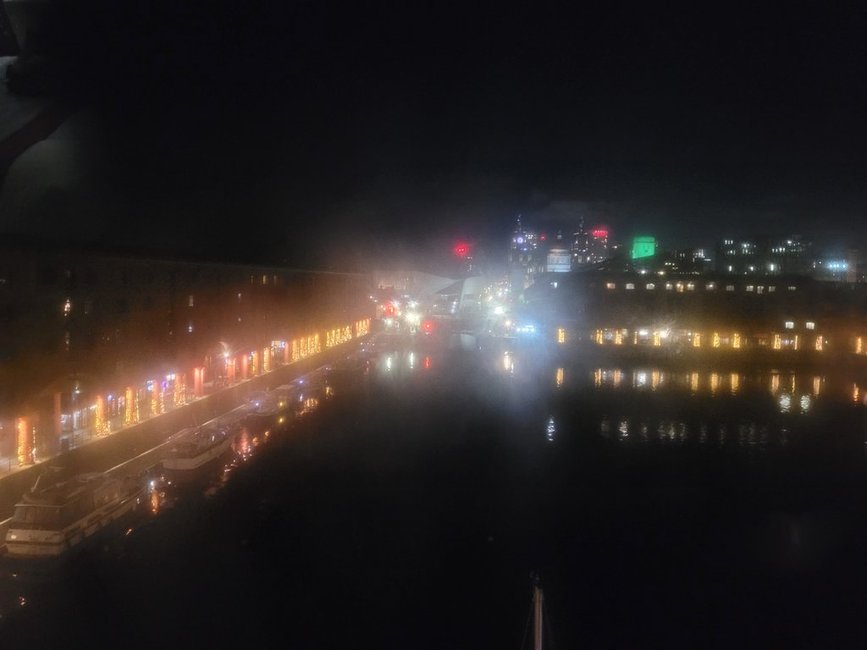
[(91, 341), (558, 258), (526, 256), (786, 256), (590, 247), (682, 313), (599, 249)]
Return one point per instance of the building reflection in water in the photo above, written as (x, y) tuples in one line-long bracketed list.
[(710, 383), (746, 421)]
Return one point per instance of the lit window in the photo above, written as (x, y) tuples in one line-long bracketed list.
[(630, 286), (651, 286), (811, 325), (730, 287), (710, 286), (750, 287), (792, 288), (190, 327), (668, 286), (771, 289), (690, 286), (790, 325), (610, 285), (190, 301)]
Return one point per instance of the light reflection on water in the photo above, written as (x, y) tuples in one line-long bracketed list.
[(711, 382)]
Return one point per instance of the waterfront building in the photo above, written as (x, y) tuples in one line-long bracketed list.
[(94, 341)]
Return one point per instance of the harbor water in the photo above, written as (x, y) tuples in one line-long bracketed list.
[(408, 504)]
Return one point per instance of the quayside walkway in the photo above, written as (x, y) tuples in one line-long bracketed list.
[(103, 453)]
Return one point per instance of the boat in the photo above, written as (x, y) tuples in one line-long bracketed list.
[(196, 447), (51, 519), (265, 406)]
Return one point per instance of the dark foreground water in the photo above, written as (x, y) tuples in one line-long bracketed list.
[(662, 509)]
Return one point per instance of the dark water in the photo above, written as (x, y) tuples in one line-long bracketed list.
[(408, 509)]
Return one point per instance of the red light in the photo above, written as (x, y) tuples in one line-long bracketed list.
[(389, 310), (599, 232), (461, 249), (427, 326), (426, 363), (542, 237)]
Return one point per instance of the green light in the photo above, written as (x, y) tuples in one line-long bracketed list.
[(643, 247)]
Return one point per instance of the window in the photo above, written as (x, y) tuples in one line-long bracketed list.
[(730, 287), (190, 301), (630, 286), (610, 285), (651, 286), (790, 325), (811, 325)]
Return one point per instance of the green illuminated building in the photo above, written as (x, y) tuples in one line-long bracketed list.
[(643, 246)]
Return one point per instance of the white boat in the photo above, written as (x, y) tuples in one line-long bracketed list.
[(266, 406), (51, 519), (196, 447)]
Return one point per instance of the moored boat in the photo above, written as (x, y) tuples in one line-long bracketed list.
[(195, 448), (266, 407), (51, 519)]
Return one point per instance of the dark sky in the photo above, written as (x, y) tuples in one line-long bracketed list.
[(315, 132)]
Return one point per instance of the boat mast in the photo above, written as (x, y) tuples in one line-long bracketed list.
[(537, 613)]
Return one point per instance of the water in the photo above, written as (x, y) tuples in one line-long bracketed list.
[(408, 507)]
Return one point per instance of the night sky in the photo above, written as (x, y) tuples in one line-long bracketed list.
[(314, 133)]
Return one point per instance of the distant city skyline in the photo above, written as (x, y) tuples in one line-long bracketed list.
[(317, 129)]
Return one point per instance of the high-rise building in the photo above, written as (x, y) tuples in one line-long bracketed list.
[(598, 245), (580, 246), (526, 258)]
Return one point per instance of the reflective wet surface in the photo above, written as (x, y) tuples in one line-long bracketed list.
[(404, 501)]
